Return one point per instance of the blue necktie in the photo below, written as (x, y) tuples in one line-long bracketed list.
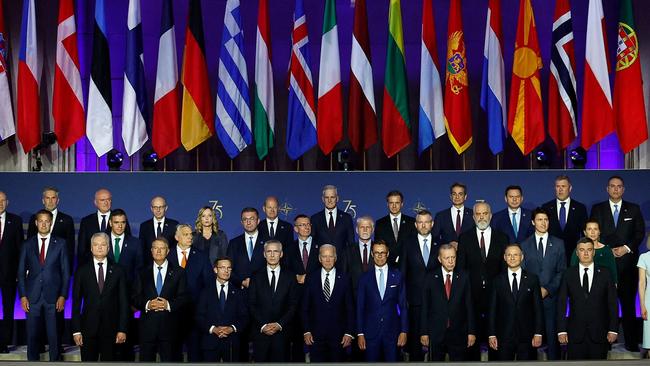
[(382, 285), (515, 227), (159, 281), (222, 298), (250, 247), (562, 215), (425, 252), (616, 212)]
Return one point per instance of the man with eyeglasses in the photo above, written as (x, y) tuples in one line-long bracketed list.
[(159, 225), (272, 227)]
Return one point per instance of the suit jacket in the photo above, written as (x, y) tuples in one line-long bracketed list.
[(131, 256), (268, 307), (198, 271), (283, 231), (501, 221), (10, 244), (215, 247), (378, 317), (549, 269), (161, 325), (328, 320), (102, 314), (49, 281), (438, 311), (444, 228), (62, 227), (88, 226), (414, 270), (350, 263), (630, 229), (209, 313), (516, 320), (575, 223), (148, 232), (591, 315), (340, 237), (293, 258), (242, 267), (384, 231)]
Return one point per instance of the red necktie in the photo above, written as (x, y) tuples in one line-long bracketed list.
[(305, 255), (448, 286), (457, 222), (41, 256)]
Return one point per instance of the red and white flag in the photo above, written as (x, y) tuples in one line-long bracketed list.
[(29, 75), (7, 126)]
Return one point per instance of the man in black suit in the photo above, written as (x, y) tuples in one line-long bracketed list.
[(566, 216), (247, 249), (514, 220), (331, 225), (593, 320), (395, 227), (102, 321), (480, 254), (418, 259), (221, 313), (159, 225), (516, 317), (447, 317), (622, 227), (328, 310), (273, 300), (451, 222), (272, 227), (357, 258), (159, 293), (11, 239)]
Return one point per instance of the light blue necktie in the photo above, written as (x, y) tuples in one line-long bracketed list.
[(382, 285), (425, 252), (515, 227), (250, 247), (159, 281), (616, 215)]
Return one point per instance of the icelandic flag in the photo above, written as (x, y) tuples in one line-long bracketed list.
[(29, 74)]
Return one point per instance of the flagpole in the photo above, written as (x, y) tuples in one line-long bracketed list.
[(97, 165), (564, 164), (530, 158), (165, 164), (431, 158), (598, 155), (264, 163), (464, 162), (397, 158), (498, 161), (364, 161), (197, 158), (298, 165), (131, 162), (331, 162)]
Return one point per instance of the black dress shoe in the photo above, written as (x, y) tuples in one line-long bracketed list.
[(4, 349), (632, 348)]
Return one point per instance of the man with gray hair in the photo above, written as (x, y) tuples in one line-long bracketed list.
[(332, 225), (357, 257)]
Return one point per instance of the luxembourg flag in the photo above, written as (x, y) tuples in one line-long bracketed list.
[(29, 74), (493, 88)]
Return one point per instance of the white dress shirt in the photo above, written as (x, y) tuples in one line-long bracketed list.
[(544, 241), (558, 205), (327, 216), (487, 236)]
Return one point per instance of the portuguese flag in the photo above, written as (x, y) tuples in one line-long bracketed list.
[(629, 109)]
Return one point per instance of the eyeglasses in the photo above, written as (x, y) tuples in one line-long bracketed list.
[(158, 207), (379, 254), (248, 219), (224, 268), (303, 225)]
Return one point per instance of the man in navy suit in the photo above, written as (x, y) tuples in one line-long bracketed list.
[(328, 310), (159, 225), (331, 225), (247, 249), (11, 239), (544, 257), (514, 220), (272, 227), (221, 313), (395, 227), (43, 275), (382, 316), (451, 222)]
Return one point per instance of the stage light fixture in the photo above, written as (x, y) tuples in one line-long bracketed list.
[(47, 139), (114, 160), (343, 160), (542, 159), (149, 160), (578, 157)]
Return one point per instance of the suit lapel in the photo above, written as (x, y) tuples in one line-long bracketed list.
[(51, 248)]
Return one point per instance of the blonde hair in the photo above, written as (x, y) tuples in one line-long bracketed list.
[(215, 223)]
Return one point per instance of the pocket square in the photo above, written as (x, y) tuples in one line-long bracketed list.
[(627, 219), (393, 286)]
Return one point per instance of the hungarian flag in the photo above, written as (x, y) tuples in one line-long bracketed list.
[(526, 116), (197, 116), (562, 99), (629, 108), (458, 114), (329, 117), (29, 75), (7, 127), (396, 127), (362, 115), (597, 111), (264, 105)]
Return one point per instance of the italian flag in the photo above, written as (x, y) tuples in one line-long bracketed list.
[(264, 110)]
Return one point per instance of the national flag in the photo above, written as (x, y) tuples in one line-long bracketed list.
[(29, 76), (330, 90), (597, 111), (197, 114), (493, 85), (264, 105), (99, 122), (7, 127), (458, 114), (396, 126), (562, 97), (233, 122), (166, 128), (134, 102), (362, 115), (526, 114), (432, 118), (67, 100), (629, 107), (301, 122)]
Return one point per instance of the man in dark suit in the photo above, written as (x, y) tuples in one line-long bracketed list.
[(622, 227), (357, 258), (272, 227), (516, 317), (159, 225), (43, 275), (382, 315), (102, 321), (545, 258), (593, 320), (447, 315), (514, 220), (451, 222), (159, 293), (418, 259), (11, 239), (273, 300), (395, 227), (328, 310), (247, 249), (331, 225), (221, 313), (480, 254), (566, 216)]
